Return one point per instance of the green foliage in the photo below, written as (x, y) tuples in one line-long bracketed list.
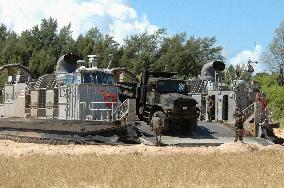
[(40, 47), (274, 92), (274, 56)]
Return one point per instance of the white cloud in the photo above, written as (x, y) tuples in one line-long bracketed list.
[(254, 55), (110, 16)]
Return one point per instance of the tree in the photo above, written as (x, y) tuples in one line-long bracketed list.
[(171, 53), (10, 49), (65, 42), (274, 55), (40, 47), (187, 56), (141, 47), (3, 37), (104, 46), (274, 92)]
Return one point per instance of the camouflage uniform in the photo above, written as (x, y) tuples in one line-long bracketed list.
[(158, 124), (264, 127), (239, 125), (210, 110)]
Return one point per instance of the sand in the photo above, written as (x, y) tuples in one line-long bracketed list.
[(13, 149), (279, 132)]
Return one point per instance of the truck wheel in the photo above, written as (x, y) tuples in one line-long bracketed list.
[(189, 126)]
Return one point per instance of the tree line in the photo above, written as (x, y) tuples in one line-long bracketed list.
[(40, 47)]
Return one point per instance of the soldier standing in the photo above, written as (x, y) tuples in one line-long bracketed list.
[(210, 109), (264, 126), (239, 125), (157, 126)]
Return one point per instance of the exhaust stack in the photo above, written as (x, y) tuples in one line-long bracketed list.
[(208, 71)]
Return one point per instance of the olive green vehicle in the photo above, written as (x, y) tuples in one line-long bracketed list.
[(167, 98), (160, 95)]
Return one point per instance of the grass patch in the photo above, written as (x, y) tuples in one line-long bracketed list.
[(256, 169)]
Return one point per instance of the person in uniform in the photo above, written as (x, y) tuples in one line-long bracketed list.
[(239, 125), (264, 127), (210, 111), (157, 127)]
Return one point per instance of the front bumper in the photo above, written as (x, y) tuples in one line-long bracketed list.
[(182, 116)]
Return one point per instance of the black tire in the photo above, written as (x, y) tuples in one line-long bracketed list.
[(189, 126)]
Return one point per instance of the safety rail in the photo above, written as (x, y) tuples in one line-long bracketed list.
[(104, 111), (108, 115), (122, 110), (248, 111)]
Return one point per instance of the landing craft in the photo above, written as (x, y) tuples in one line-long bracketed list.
[(74, 104), (243, 92)]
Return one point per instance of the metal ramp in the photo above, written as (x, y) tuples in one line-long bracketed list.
[(207, 134)]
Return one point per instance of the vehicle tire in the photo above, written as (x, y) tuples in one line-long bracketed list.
[(189, 126)]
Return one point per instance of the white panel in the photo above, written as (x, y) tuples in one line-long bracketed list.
[(49, 104)]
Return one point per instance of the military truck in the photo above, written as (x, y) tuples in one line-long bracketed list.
[(159, 94)]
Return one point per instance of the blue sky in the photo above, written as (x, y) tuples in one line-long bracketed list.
[(237, 24), (243, 27)]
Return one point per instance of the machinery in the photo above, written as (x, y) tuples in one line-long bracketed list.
[(74, 104), (158, 94), (218, 101), (89, 105)]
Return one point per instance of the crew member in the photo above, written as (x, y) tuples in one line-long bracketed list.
[(239, 125), (210, 111), (264, 126)]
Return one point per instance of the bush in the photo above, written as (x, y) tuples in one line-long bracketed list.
[(275, 93)]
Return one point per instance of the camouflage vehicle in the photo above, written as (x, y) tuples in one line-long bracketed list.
[(160, 95)]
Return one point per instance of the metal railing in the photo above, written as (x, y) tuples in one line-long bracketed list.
[(122, 110), (104, 111), (248, 111)]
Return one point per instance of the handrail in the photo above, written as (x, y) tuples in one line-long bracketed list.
[(122, 110), (110, 109), (114, 110), (248, 111)]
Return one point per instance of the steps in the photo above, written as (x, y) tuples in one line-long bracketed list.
[(121, 111), (47, 81), (38, 82), (200, 86)]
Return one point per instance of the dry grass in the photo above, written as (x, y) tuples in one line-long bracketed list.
[(263, 168)]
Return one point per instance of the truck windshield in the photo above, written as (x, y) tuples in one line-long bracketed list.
[(171, 86)]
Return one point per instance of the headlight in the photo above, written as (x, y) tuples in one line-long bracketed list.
[(169, 111)]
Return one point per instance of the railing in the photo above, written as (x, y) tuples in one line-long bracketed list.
[(248, 111), (102, 114), (121, 111), (104, 111)]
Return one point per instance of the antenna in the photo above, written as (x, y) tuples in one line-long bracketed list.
[(110, 55)]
